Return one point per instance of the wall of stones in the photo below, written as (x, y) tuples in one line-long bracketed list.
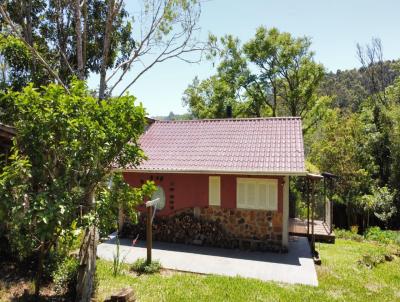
[(247, 224), (215, 226)]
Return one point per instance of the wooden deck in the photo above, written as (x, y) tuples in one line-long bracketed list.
[(298, 227)]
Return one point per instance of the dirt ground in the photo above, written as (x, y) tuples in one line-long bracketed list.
[(16, 284)]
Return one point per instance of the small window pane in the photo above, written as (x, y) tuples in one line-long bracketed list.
[(263, 198), (272, 198), (241, 193), (251, 194)]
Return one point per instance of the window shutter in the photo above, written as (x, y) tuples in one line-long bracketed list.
[(263, 195), (214, 191), (272, 199), (251, 198), (257, 193)]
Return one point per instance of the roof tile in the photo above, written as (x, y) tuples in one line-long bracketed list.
[(257, 145)]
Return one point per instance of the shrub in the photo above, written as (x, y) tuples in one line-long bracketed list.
[(382, 236), (301, 209), (349, 235), (354, 229), (65, 276), (140, 266), (371, 260), (397, 240)]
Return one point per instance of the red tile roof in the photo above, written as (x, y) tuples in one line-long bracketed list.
[(248, 146)]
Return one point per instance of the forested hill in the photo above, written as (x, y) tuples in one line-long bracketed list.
[(173, 117), (349, 88)]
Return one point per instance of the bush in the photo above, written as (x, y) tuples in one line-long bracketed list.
[(66, 245), (371, 260), (382, 236), (349, 235), (65, 276), (301, 209), (140, 266), (354, 229)]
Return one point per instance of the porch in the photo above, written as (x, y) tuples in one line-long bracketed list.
[(316, 223), (322, 233), (294, 267)]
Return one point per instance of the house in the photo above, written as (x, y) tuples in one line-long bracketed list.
[(234, 171), (6, 135)]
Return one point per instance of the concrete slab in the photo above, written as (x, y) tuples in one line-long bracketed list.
[(295, 267)]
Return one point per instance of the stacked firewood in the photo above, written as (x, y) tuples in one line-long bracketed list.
[(183, 228)]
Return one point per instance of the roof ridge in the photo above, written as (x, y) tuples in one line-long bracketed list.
[(233, 119)]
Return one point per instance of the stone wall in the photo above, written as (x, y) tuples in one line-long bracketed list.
[(247, 224), (215, 226)]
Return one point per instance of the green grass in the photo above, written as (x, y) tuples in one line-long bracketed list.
[(340, 279), (140, 266)]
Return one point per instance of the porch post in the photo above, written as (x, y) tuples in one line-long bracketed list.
[(285, 213), (324, 180), (331, 206), (308, 206), (149, 234), (312, 215)]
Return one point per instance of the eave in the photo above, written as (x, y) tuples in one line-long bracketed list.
[(233, 172)]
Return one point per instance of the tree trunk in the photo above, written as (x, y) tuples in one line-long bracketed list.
[(28, 16), (106, 49), (39, 271), (78, 31), (27, 28), (87, 263), (275, 102), (85, 29), (63, 70)]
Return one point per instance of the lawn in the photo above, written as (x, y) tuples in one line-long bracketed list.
[(340, 277)]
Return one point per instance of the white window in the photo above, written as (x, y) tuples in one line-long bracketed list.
[(214, 191), (256, 193)]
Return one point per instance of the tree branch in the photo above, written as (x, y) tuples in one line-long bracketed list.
[(34, 51), (167, 44), (78, 32)]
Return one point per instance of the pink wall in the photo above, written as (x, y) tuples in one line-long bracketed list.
[(191, 190)]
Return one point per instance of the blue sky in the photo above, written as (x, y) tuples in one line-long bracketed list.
[(335, 27)]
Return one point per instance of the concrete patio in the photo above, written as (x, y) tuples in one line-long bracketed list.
[(294, 267)]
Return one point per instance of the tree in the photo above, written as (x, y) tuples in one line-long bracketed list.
[(393, 112), (77, 142), (378, 76), (338, 146), (54, 38), (379, 202), (209, 98), (272, 74), (384, 209), (116, 198), (286, 69), (59, 46)]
